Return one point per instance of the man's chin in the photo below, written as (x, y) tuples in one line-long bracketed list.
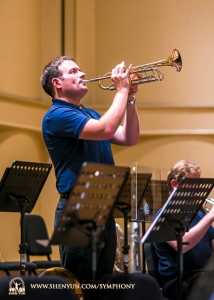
[(84, 91)]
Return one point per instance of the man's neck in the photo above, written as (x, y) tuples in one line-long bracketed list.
[(69, 100)]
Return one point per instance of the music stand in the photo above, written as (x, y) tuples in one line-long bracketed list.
[(20, 187), (89, 206), (127, 208), (176, 216)]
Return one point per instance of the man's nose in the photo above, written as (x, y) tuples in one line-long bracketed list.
[(82, 74)]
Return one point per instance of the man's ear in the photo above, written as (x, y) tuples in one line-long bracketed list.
[(56, 82), (174, 183)]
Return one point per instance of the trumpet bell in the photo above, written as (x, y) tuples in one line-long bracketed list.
[(174, 60), (68, 276)]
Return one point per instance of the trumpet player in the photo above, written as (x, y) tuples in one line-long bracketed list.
[(75, 134), (198, 241)]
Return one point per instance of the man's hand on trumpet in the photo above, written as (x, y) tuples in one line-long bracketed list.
[(133, 88), (120, 76)]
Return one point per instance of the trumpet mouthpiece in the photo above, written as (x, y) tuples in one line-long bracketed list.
[(84, 81)]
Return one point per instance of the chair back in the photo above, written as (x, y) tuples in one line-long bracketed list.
[(35, 229)]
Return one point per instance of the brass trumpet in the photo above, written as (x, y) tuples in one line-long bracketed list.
[(174, 60), (208, 200), (68, 276)]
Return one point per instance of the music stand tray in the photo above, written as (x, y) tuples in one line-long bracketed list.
[(22, 181), (89, 206), (90, 203), (20, 188), (177, 214)]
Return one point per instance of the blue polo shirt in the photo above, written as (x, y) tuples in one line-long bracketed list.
[(61, 127), (194, 259)]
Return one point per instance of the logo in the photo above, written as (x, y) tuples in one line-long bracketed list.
[(16, 286)]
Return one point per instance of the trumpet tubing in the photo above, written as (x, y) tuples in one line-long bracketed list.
[(139, 74)]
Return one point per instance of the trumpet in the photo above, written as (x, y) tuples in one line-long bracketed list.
[(141, 72), (208, 200)]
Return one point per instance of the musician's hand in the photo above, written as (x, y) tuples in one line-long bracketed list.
[(120, 76), (133, 88)]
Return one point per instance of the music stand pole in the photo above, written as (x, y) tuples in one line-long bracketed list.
[(125, 210), (23, 246), (94, 246), (179, 233), (93, 235), (180, 261), (93, 255), (143, 255)]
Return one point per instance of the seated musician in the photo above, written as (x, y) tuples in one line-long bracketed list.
[(199, 238)]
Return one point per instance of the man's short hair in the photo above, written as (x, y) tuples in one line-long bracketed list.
[(51, 71), (180, 169)]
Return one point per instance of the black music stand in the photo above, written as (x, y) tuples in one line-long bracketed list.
[(20, 187), (89, 206), (125, 206), (176, 216)]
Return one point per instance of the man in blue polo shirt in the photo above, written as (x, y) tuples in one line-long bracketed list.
[(75, 134)]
